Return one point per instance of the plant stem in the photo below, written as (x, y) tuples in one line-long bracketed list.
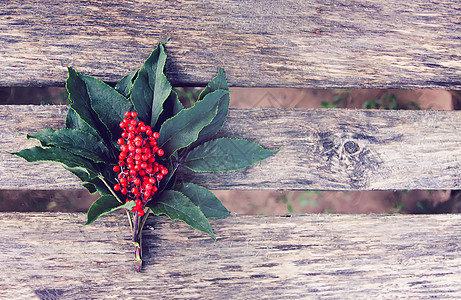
[(137, 241), (110, 189)]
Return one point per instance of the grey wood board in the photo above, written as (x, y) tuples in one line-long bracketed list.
[(323, 149), (53, 256), (321, 43)]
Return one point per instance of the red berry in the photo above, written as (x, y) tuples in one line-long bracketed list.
[(164, 171), (116, 169), (140, 213), (137, 181), (124, 191), (120, 141), (128, 114), (142, 173), (133, 122), (159, 176), (138, 143), (160, 152), (156, 135), (117, 187), (135, 190), (148, 131), (122, 125), (134, 114), (124, 134)]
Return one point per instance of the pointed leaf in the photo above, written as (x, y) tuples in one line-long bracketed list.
[(151, 88), (225, 154), (74, 121), (218, 83), (84, 167), (109, 105), (184, 128), (179, 207), (208, 203), (126, 83), (78, 142), (171, 107), (91, 188), (80, 102), (105, 204)]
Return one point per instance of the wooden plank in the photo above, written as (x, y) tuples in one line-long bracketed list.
[(320, 150), (320, 43), (53, 256)]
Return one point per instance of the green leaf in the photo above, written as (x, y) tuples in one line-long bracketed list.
[(225, 154), (171, 107), (105, 204), (126, 83), (74, 121), (83, 167), (109, 105), (151, 88), (78, 142), (100, 187), (90, 187), (183, 129), (217, 83), (80, 102), (177, 206), (208, 203)]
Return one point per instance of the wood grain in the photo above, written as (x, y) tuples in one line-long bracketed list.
[(53, 256), (320, 43), (319, 150)]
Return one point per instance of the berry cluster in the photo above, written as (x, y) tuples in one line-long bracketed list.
[(138, 172)]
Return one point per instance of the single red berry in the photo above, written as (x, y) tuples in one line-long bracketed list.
[(122, 125), (137, 202), (128, 114), (160, 152), (148, 131), (135, 190), (134, 122), (140, 213), (121, 141), (147, 194), (132, 128), (124, 191), (159, 176), (152, 180), (137, 181), (124, 134), (138, 143), (154, 189), (117, 187), (164, 171), (116, 169), (156, 135), (134, 114), (142, 173)]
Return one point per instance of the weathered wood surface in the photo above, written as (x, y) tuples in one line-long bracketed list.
[(53, 256), (320, 150), (320, 43)]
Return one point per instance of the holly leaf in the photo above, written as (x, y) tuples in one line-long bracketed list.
[(225, 154), (151, 88), (217, 83), (126, 83), (74, 121), (77, 142), (183, 129), (105, 204), (83, 167), (109, 105), (81, 104), (208, 203), (177, 206)]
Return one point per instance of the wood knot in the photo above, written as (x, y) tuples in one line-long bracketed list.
[(351, 147)]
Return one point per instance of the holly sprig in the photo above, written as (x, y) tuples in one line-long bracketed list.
[(90, 144)]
